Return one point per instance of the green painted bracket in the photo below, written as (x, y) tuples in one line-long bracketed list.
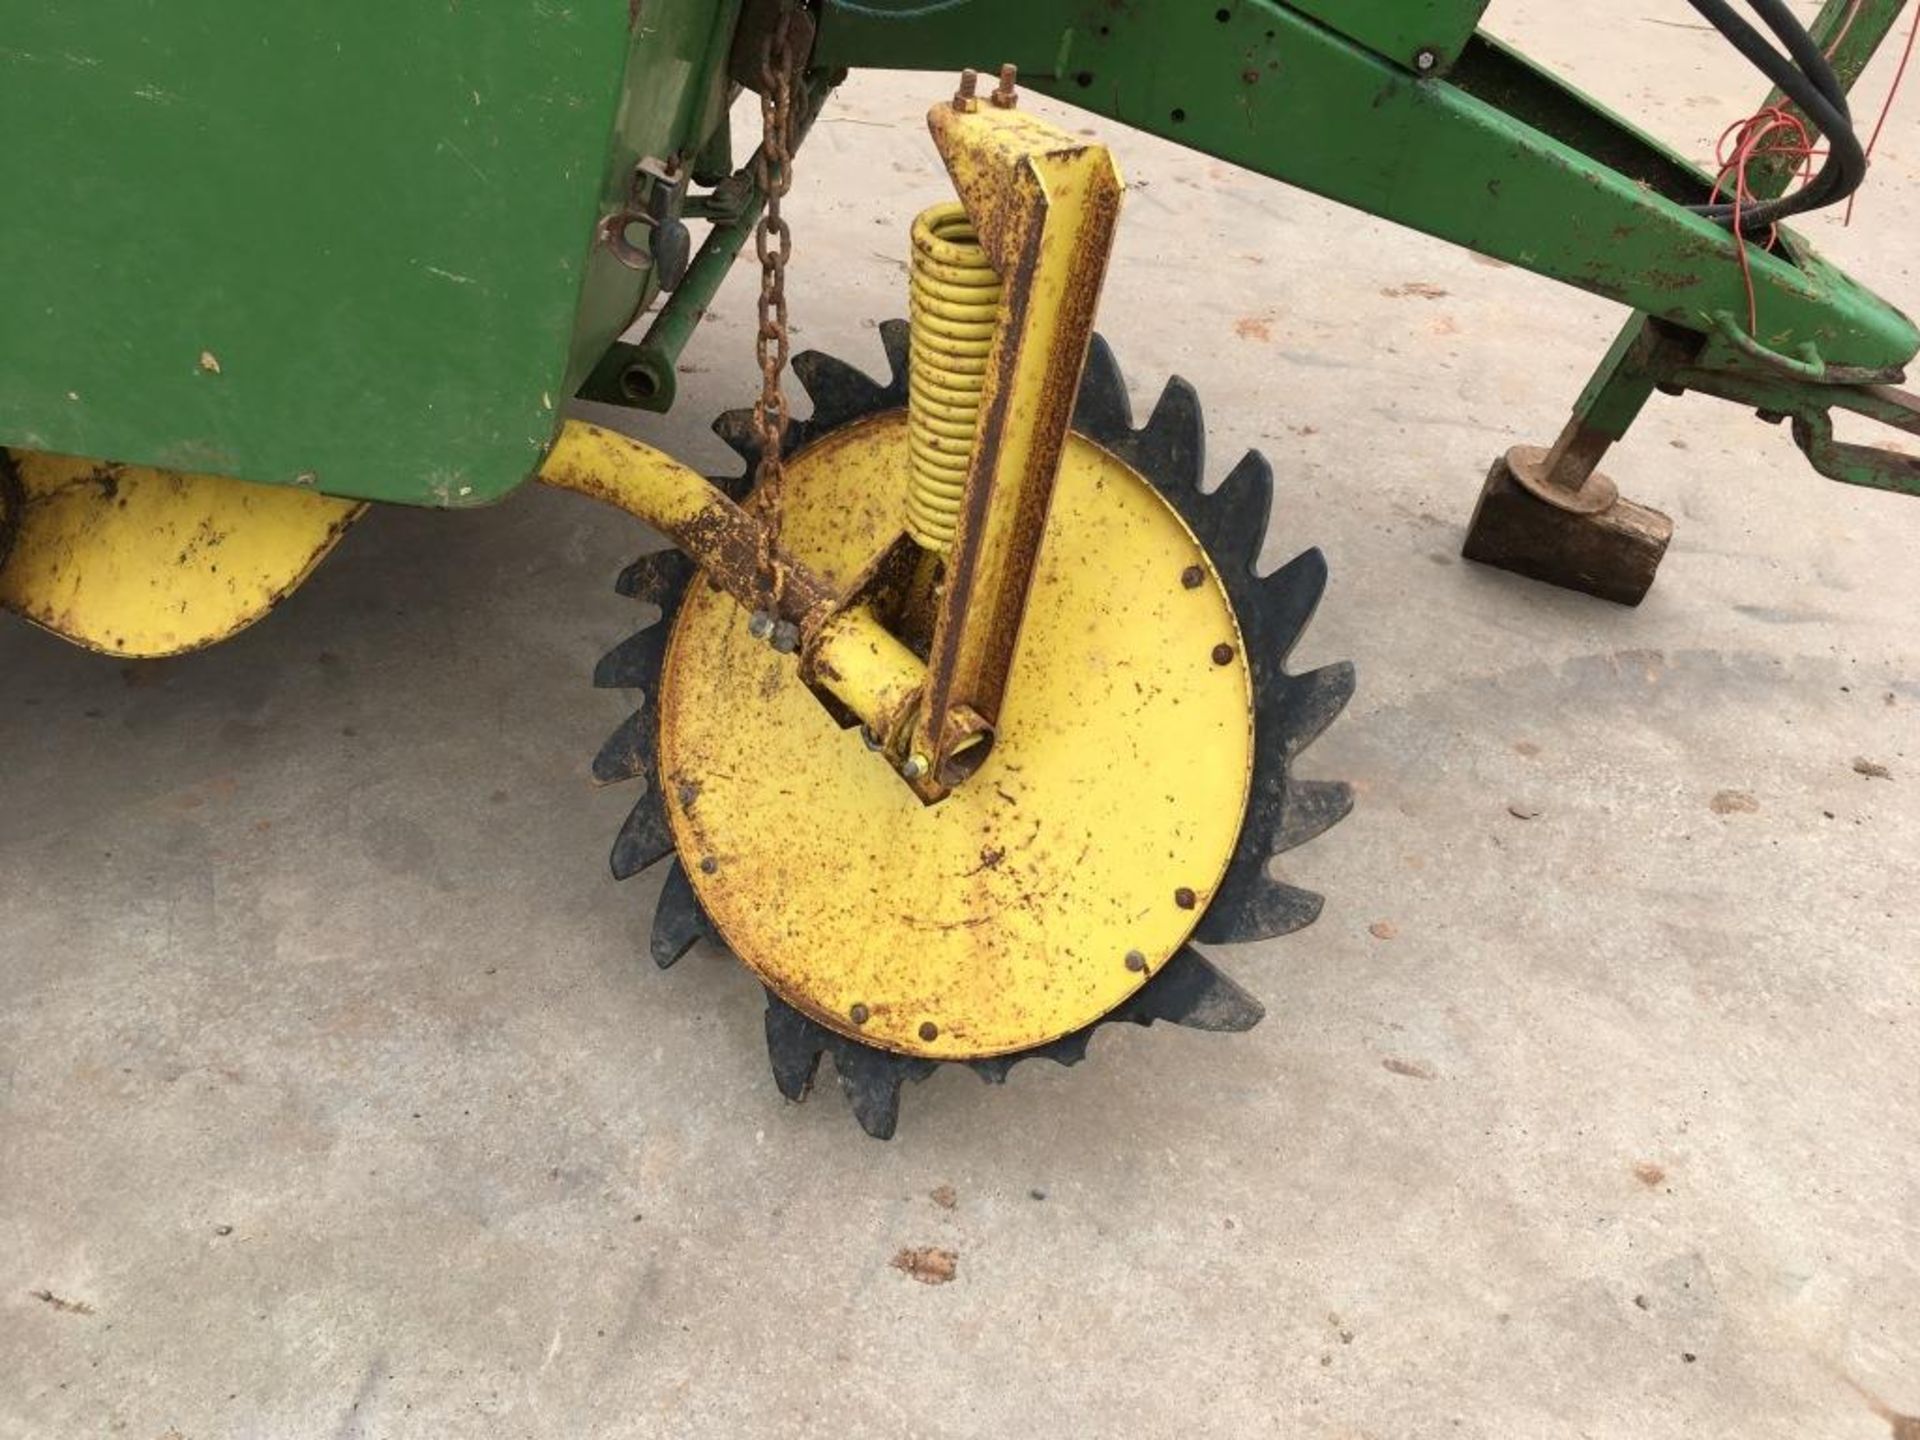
[(1810, 406), (1498, 156)]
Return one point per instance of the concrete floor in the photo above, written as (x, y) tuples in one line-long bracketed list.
[(339, 1101)]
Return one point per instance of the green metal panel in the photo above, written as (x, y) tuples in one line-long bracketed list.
[(348, 245), (1279, 93), (1402, 30)]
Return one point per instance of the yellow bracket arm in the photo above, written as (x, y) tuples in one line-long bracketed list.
[(1045, 205)]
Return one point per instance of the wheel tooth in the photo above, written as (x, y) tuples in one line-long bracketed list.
[(629, 751), (1233, 519), (1281, 606), (1311, 808), (838, 391), (644, 838), (1171, 447), (736, 428), (896, 336), (678, 920), (1291, 711), (872, 1079), (1103, 410), (994, 1070), (634, 664), (656, 578), (1305, 705), (1255, 906), (1188, 990), (794, 1044), (1069, 1049)]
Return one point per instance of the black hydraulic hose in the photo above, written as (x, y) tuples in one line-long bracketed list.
[(1846, 163), (1805, 52)]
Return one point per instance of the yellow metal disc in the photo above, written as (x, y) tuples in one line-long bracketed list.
[(140, 562), (1051, 885)]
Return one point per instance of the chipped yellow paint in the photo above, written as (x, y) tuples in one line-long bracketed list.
[(139, 562), (1003, 916)]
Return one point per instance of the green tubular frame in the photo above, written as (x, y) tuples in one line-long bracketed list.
[(1485, 150)]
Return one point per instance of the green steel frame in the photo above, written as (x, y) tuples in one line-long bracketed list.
[(1496, 154), (357, 247)]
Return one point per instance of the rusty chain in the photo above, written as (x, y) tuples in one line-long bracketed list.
[(773, 244)]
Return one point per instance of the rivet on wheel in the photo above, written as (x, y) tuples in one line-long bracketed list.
[(1185, 898), (929, 1030), (1135, 960), (708, 864), (1223, 654), (859, 1014), (1193, 577)]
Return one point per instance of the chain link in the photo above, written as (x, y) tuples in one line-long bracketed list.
[(773, 244)]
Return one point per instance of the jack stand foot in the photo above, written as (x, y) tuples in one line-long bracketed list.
[(1611, 553)]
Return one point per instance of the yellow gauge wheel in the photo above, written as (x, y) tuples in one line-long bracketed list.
[(1055, 881), (1139, 784)]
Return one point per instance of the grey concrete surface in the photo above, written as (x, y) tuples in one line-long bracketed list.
[(339, 1100)]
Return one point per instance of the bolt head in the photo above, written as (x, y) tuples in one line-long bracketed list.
[(1136, 961), (1006, 94), (1193, 577), (929, 1030), (914, 767), (1425, 60), (1223, 654), (859, 1014), (760, 625), (1185, 898)]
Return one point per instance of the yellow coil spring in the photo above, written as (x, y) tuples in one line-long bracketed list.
[(955, 300)]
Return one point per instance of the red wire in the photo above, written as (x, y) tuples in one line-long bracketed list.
[(1775, 132), (1886, 107), (1853, 13)]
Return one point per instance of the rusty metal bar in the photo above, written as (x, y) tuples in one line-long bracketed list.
[(1045, 205), (846, 650)]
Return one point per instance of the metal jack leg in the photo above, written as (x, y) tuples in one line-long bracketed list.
[(1549, 514)]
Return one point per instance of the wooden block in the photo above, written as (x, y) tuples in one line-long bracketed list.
[(1613, 554)]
